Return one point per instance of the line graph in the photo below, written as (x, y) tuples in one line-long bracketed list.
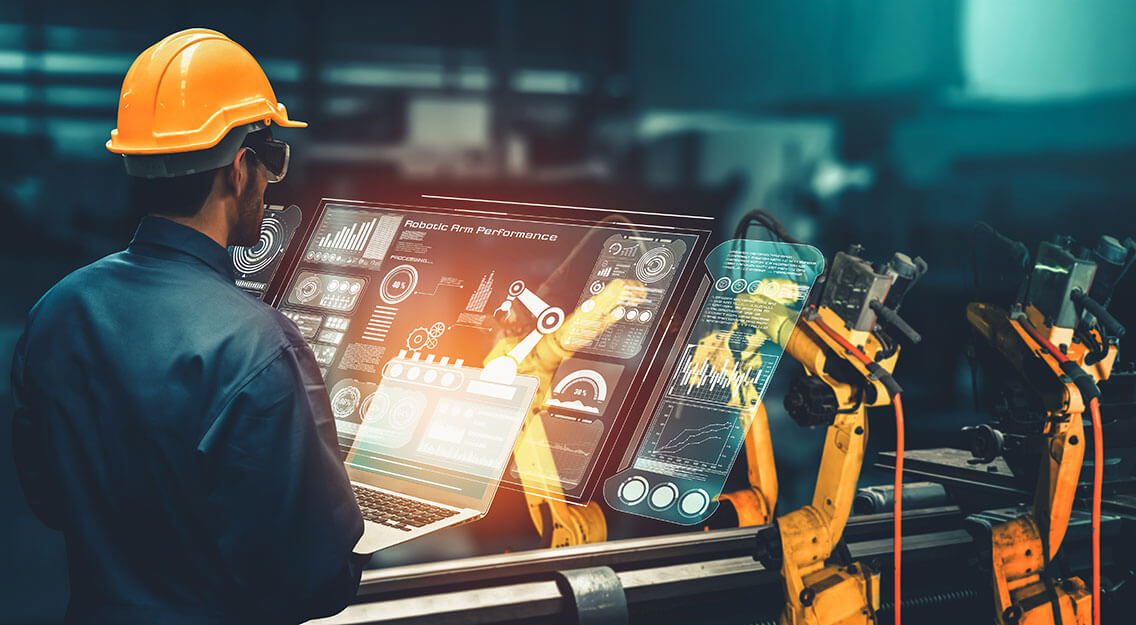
[(690, 437)]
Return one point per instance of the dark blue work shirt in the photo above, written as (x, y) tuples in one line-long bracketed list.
[(178, 432)]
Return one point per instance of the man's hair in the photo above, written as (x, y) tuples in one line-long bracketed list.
[(180, 196)]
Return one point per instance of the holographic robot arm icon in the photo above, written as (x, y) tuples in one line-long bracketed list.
[(503, 369)]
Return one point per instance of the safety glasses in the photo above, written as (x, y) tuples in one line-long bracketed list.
[(274, 155)]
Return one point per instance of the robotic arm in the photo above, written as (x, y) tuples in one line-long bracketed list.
[(848, 360), (503, 369), (1058, 341)]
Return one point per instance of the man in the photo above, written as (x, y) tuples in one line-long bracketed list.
[(175, 429)]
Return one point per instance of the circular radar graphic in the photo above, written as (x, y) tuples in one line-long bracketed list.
[(406, 411), (307, 289), (398, 284), (374, 406), (346, 401), (655, 265), (391, 420), (250, 260)]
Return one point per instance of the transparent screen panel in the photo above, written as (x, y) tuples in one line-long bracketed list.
[(446, 337), (255, 265), (758, 289)]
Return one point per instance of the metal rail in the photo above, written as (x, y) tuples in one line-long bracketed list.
[(523, 586)]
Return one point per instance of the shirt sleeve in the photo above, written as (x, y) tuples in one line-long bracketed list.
[(286, 518), (38, 474)]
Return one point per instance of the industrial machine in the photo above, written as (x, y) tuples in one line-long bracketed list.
[(842, 341), (559, 523), (1040, 360), (1059, 341), (1047, 361), (848, 358)]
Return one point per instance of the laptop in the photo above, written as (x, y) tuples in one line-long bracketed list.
[(424, 320), (433, 442)]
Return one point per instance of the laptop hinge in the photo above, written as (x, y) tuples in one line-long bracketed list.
[(596, 594)]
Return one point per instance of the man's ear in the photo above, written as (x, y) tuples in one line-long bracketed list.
[(236, 174)]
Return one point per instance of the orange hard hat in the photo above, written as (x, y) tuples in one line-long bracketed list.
[(186, 92)]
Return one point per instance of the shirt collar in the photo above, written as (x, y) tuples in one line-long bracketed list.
[(161, 232)]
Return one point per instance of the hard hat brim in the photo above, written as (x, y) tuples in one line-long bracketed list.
[(172, 143)]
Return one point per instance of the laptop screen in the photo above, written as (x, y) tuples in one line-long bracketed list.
[(441, 332)]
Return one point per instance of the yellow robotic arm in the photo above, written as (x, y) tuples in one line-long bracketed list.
[(848, 369), (539, 354), (1060, 343)]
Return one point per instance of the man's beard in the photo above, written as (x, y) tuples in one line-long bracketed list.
[(250, 213)]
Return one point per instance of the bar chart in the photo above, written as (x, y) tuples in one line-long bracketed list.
[(352, 238), (348, 238)]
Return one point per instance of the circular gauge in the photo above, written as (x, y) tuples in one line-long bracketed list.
[(595, 287), (375, 406), (406, 411), (656, 264), (722, 284), (307, 289), (588, 306), (250, 260), (345, 401), (398, 284), (739, 285)]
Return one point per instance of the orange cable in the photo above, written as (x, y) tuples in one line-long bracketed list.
[(1098, 482), (1044, 342), (897, 549), (1098, 467)]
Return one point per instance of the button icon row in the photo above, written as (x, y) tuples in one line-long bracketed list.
[(635, 489)]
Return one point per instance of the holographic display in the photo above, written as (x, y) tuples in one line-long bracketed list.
[(441, 333), (758, 289), (446, 427), (255, 265), (346, 238), (646, 266)]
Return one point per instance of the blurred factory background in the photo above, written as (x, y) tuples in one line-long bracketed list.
[(892, 124)]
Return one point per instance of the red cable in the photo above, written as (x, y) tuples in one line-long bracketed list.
[(1098, 482), (897, 549), (1044, 342), (898, 405), (1098, 468)]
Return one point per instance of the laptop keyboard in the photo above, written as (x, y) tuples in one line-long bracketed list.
[(400, 513)]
